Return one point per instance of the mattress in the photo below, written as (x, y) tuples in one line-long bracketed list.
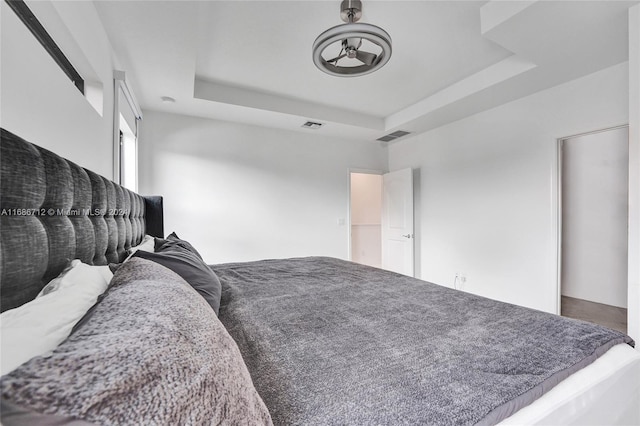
[(605, 392)]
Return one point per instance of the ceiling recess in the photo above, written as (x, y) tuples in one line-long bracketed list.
[(393, 136)]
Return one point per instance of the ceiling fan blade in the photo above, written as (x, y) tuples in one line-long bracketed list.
[(337, 58), (366, 57)]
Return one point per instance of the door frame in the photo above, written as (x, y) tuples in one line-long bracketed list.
[(557, 207), (348, 221)]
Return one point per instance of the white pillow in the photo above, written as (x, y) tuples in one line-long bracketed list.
[(77, 273), (39, 326), (147, 244)]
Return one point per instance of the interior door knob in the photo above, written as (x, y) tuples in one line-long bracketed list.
[(407, 236)]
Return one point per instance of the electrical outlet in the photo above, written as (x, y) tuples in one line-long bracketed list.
[(460, 280)]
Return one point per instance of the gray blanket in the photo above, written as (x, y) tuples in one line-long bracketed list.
[(152, 352), (329, 342)]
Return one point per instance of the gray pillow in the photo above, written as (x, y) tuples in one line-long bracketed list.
[(153, 352), (191, 268), (173, 240)]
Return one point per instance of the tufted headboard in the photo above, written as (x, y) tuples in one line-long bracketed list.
[(53, 211)]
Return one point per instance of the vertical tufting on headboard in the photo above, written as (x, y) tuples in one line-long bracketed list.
[(53, 211)]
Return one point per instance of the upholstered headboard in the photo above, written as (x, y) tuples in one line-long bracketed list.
[(53, 211)]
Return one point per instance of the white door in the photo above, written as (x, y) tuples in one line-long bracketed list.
[(397, 221)]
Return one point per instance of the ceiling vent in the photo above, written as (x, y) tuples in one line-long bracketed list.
[(393, 136), (312, 125)]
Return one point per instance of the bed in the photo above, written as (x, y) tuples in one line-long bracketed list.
[(305, 341)]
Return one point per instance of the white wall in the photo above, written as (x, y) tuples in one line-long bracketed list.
[(366, 217), (40, 103), (594, 216), (487, 185), (240, 192)]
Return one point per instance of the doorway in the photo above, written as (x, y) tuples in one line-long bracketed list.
[(594, 172), (366, 214), (381, 220)]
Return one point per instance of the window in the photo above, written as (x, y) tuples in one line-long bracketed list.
[(127, 116), (128, 158)]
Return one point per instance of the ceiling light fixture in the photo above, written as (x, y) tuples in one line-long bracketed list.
[(346, 41)]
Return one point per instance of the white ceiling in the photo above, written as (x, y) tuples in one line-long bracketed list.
[(250, 61)]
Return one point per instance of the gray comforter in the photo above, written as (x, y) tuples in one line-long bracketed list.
[(331, 342)]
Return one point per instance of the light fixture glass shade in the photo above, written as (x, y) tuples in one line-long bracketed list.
[(371, 33)]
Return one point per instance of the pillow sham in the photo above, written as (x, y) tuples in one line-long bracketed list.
[(77, 273), (174, 241), (153, 352), (191, 268), (147, 244), (39, 326)]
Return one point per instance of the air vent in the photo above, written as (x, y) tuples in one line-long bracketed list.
[(387, 138), (312, 125), (393, 136), (399, 133)]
